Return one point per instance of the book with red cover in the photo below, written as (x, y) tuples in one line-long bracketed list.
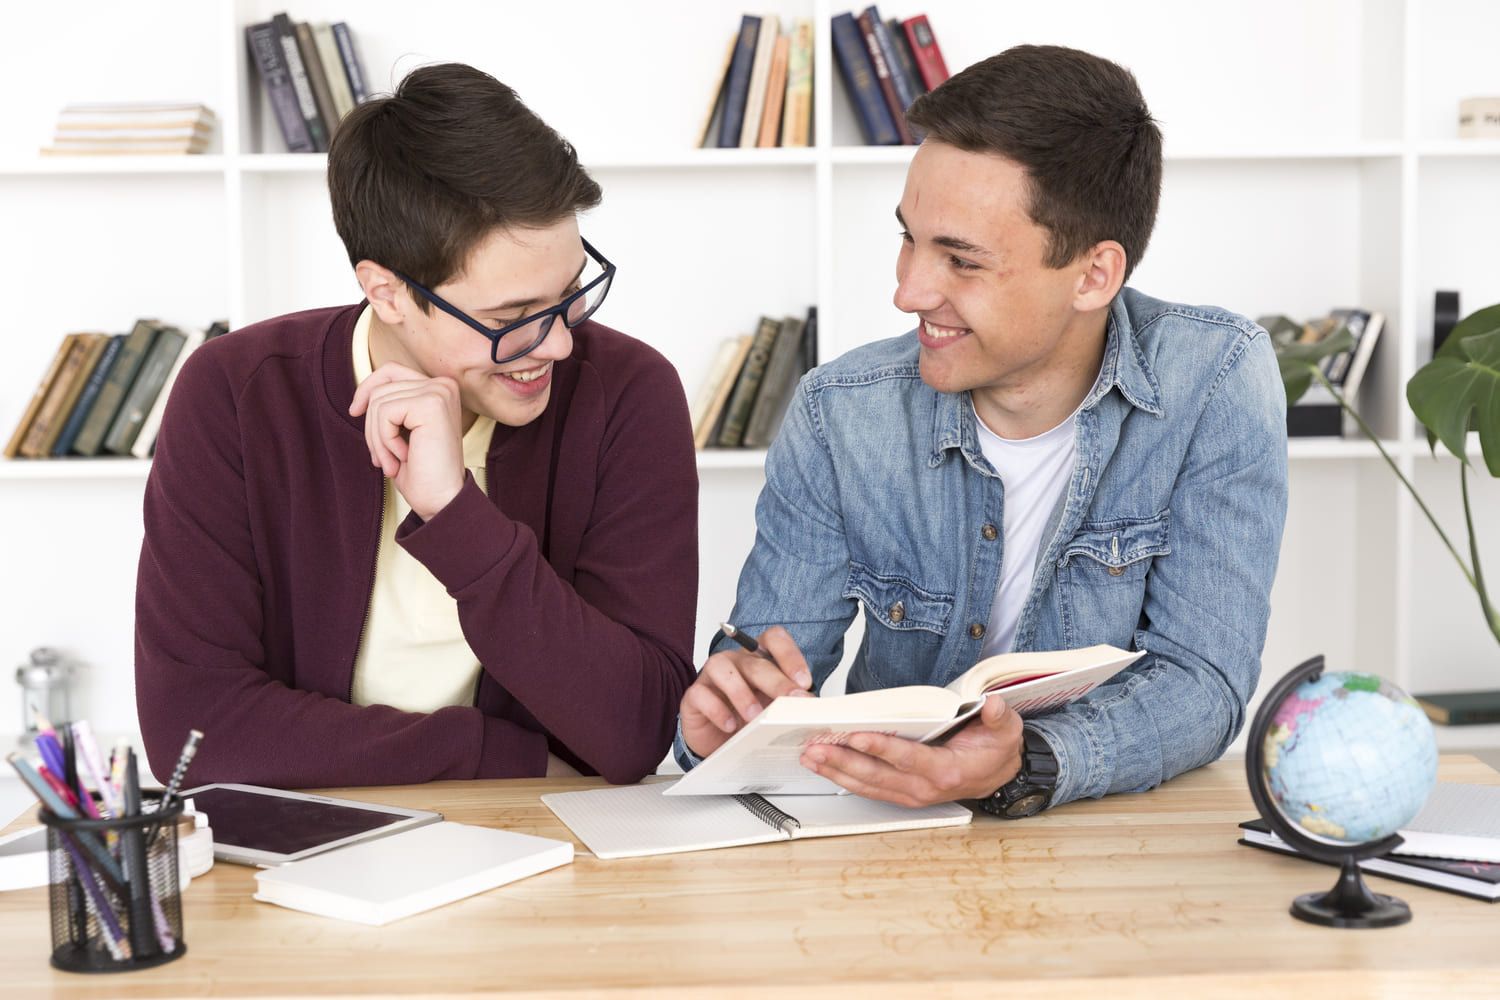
[(925, 50)]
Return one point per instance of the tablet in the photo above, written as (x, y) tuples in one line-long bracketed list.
[(270, 826)]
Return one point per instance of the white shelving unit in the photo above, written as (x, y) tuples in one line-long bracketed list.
[(1339, 184)]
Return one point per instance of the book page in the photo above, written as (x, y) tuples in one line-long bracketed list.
[(1059, 676), (638, 820)]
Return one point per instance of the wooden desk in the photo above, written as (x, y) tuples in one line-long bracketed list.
[(1135, 895)]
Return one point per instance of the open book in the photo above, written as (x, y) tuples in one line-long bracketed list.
[(764, 757), (638, 820)]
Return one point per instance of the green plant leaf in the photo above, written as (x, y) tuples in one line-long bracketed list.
[(1459, 389), (1298, 361)]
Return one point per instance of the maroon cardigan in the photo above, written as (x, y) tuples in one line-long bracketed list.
[(576, 579)]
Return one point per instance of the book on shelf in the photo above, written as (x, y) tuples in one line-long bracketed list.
[(742, 398), (38, 397), (760, 74), (85, 403), (925, 51), (333, 69), (777, 385), (708, 404), (1476, 879), (641, 820), (132, 127), (902, 47), (275, 77), (764, 756), (111, 397), (145, 440), (1461, 708), (317, 78), (853, 58), (810, 340), (796, 115), (354, 67), (737, 86), (63, 399), (770, 119), (708, 133), (45, 418), (893, 86), (1347, 369), (165, 348), (307, 105)]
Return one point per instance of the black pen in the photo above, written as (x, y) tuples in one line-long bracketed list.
[(137, 875), (747, 642)]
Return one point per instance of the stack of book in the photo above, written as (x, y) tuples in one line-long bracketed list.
[(312, 75), (886, 65), (764, 91), (104, 395), (751, 380), (132, 127)]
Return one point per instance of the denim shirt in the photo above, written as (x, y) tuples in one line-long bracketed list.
[(878, 497)]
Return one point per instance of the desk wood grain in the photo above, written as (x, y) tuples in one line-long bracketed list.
[(1136, 895)]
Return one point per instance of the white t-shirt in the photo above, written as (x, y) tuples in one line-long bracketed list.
[(1035, 472)]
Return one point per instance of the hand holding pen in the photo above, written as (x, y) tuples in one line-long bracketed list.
[(736, 684)]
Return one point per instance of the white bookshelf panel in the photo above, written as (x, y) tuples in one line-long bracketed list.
[(1460, 201), (1455, 52)]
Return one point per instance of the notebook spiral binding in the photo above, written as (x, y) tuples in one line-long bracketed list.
[(768, 813)]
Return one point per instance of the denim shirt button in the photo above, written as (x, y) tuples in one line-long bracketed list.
[(1117, 571), (976, 631), (989, 532), (897, 612)]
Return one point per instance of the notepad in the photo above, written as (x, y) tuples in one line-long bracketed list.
[(1458, 821), (640, 820), (379, 881)]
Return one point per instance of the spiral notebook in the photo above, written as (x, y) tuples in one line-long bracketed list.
[(639, 820)]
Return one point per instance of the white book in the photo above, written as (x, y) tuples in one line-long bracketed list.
[(760, 75), (378, 881), (1460, 822), (765, 756), (146, 437), (639, 820)]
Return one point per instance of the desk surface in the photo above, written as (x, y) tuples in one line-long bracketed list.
[(1137, 895)]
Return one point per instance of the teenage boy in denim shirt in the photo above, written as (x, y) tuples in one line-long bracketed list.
[(1049, 461)]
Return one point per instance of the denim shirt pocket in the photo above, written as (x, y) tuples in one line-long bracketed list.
[(905, 627), (1102, 578)]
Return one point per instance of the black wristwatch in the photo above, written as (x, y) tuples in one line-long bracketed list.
[(1030, 791)]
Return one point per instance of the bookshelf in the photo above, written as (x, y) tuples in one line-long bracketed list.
[(1339, 184)]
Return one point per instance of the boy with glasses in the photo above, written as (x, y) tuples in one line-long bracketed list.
[(413, 538)]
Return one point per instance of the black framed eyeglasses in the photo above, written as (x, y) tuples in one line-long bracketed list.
[(518, 339)]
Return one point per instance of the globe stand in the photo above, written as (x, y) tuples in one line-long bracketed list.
[(1350, 903)]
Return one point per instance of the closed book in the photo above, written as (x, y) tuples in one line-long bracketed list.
[(737, 89), (144, 390), (1461, 708), (1460, 822), (266, 56), (904, 57), (707, 136), (925, 51), (112, 394), (333, 69), (870, 25), (776, 388), (905, 85), (307, 105), (722, 375), (354, 67), (145, 441), (1367, 337), (796, 115), (43, 424), (316, 78), (770, 118), (742, 399), (853, 58), (760, 73), (1477, 879), (643, 820), (38, 397), (810, 340), (70, 385), (378, 881), (85, 404)]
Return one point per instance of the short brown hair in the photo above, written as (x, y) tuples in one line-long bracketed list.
[(1078, 125), (419, 178)]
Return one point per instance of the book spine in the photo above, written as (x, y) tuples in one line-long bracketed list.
[(777, 386), (307, 106), (853, 58), (354, 69), (796, 117), (706, 133), (86, 399), (145, 441), (91, 348), (755, 100), (868, 23), (925, 51), (265, 53), (905, 58), (906, 89), (35, 445), (737, 90), (810, 340), (770, 119), (322, 95), (13, 447), (143, 392), (742, 400), (333, 70), (1446, 716), (112, 394)]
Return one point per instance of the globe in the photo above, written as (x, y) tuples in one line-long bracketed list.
[(1337, 763)]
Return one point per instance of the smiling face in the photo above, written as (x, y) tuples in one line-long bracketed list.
[(995, 319), (509, 275)]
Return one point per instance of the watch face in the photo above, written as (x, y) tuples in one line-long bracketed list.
[(1028, 805)]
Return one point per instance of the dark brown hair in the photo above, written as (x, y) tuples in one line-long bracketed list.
[(418, 179), (1078, 125)]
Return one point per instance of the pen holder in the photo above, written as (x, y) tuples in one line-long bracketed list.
[(115, 900)]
